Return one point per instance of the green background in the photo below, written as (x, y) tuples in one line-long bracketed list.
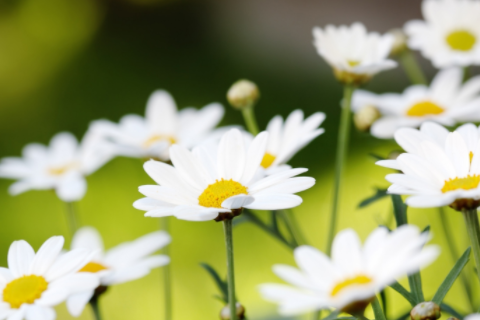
[(65, 63)]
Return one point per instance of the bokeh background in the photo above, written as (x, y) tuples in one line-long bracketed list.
[(64, 63)]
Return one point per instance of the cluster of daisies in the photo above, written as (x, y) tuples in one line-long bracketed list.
[(203, 172)]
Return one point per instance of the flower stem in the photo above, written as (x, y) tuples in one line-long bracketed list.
[(293, 227), (342, 146), (71, 217), (167, 273), (250, 120), (473, 230), (96, 308), (412, 68), (317, 315), (227, 229), (454, 253)]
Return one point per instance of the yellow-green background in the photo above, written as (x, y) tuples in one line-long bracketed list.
[(64, 63)]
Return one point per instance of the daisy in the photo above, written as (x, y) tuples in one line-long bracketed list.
[(62, 165), (354, 275), (473, 316), (202, 186), (447, 101), (34, 283), (440, 168), (450, 34), (125, 262), (354, 54), (163, 126), (285, 139)]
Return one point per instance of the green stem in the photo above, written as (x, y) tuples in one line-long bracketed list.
[(293, 227), (167, 273), (250, 121), (466, 73), (473, 230), (342, 146), (317, 315), (412, 68), (95, 308), (227, 229), (454, 253), (415, 282), (71, 217)]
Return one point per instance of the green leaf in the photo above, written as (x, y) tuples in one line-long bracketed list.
[(399, 209), (415, 282), (333, 315), (404, 316), (405, 293), (448, 309), (222, 285), (451, 277), (274, 221), (376, 156), (426, 229), (377, 310), (379, 194), (239, 220)]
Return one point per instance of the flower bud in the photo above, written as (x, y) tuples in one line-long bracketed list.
[(365, 117), (225, 313), (243, 94), (425, 311), (399, 42)]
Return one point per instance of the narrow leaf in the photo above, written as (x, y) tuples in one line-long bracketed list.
[(405, 293), (274, 221), (415, 282), (333, 315), (379, 194), (448, 309), (377, 310), (451, 277), (222, 285), (426, 229), (239, 220), (376, 156), (404, 316), (399, 209)]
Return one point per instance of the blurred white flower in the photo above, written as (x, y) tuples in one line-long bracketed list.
[(447, 101), (354, 54), (439, 168), (285, 139), (350, 279), (204, 186), (62, 165), (450, 34), (125, 262), (162, 127), (473, 316), (34, 283)]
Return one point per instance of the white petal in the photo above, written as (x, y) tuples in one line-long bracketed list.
[(77, 302), (275, 202), (68, 263), (88, 238), (72, 187), (255, 154), (161, 113), (46, 255), (346, 251), (35, 312), (237, 202), (231, 156), (20, 257)]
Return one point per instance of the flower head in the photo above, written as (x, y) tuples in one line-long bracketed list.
[(440, 167), (204, 186), (125, 262), (163, 126), (352, 277), (243, 94), (450, 34), (62, 165), (285, 139), (34, 283), (447, 101), (354, 54)]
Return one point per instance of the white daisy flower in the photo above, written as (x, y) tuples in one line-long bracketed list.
[(439, 168), (473, 316), (34, 283), (450, 34), (285, 139), (354, 54), (125, 262), (202, 186), (162, 126), (354, 275), (447, 101), (62, 165)]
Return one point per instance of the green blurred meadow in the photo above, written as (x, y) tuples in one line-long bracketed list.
[(65, 63)]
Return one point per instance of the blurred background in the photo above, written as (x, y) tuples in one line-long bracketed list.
[(64, 63)]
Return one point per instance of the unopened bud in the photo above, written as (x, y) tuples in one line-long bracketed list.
[(243, 94), (425, 311), (399, 42), (225, 313), (365, 117)]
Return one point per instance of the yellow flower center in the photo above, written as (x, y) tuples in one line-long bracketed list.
[(217, 192), (461, 40), (58, 171), (93, 267), (355, 281), (267, 160), (424, 108), (26, 289), (353, 63), (467, 183), (157, 138)]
